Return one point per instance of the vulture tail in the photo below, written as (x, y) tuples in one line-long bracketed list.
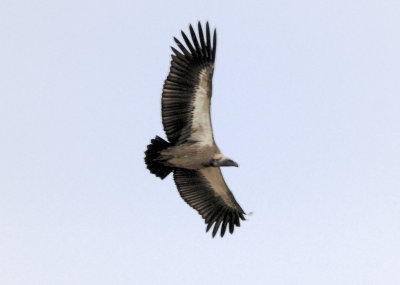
[(152, 158)]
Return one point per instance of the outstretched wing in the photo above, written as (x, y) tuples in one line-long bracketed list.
[(187, 89), (205, 190)]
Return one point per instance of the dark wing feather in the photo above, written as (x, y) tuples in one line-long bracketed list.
[(180, 87), (205, 191)]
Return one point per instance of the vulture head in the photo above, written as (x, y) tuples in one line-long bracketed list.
[(220, 160)]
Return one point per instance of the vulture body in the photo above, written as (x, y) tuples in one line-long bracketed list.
[(191, 153)]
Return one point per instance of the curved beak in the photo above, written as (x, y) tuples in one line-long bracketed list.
[(228, 162)]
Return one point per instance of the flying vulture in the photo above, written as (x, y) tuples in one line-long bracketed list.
[(191, 153)]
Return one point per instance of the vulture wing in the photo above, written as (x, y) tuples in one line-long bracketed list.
[(205, 190), (187, 89)]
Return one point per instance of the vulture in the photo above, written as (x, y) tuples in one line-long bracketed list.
[(190, 152)]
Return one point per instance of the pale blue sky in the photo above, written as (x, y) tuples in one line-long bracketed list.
[(306, 99)]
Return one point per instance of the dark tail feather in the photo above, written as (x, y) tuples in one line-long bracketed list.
[(153, 153)]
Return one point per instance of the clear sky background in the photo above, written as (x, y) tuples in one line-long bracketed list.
[(306, 99)]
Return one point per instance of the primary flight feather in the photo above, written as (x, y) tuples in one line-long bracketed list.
[(191, 153)]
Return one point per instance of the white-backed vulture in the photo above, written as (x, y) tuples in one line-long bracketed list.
[(191, 153)]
